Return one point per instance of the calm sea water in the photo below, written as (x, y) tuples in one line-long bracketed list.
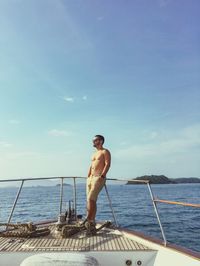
[(131, 203)]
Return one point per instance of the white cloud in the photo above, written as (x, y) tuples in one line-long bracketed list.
[(58, 133), (72, 99), (69, 99), (153, 134), (135, 151), (14, 121), (180, 142), (173, 153), (5, 144), (36, 164)]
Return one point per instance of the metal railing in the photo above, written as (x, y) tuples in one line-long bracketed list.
[(153, 199)]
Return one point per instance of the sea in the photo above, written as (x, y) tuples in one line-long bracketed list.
[(131, 203)]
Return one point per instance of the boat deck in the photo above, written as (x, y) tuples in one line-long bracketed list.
[(107, 239)]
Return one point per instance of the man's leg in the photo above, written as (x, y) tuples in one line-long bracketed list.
[(88, 189), (91, 210), (96, 186), (91, 203), (90, 224)]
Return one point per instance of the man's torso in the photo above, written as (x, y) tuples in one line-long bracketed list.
[(98, 162)]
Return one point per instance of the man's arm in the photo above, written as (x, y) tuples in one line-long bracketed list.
[(89, 172), (107, 157)]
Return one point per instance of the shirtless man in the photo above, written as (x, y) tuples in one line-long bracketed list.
[(100, 165)]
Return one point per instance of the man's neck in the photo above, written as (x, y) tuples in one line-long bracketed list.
[(99, 148)]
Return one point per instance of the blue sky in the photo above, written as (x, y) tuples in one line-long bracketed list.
[(126, 69)]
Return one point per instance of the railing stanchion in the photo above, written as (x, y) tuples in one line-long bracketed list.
[(110, 203), (61, 195), (75, 198), (15, 202), (157, 214)]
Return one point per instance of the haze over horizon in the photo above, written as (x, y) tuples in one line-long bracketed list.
[(128, 70)]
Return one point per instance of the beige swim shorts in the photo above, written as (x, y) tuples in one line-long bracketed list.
[(94, 186)]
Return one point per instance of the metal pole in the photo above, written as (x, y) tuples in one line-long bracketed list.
[(157, 214), (14, 204), (75, 198), (61, 195), (110, 203)]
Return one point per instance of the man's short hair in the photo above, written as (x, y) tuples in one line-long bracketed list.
[(100, 137)]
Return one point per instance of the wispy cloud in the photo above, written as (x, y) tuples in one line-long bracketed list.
[(173, 153), (72, 99), (5, 144), (58, 133), (14, 121), (69, 99), (153, 134), (182, 141), (26, 163)]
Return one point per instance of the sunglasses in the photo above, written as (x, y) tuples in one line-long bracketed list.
[(95, 140)]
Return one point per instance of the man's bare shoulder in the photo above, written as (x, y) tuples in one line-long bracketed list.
[(106, 151)]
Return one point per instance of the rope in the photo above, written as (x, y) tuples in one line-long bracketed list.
[(25, 230), (178, 203)]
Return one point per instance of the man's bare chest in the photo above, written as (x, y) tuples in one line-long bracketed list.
[(99, 156)]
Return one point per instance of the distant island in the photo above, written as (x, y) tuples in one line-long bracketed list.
[(64, 184), (162, 179)]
